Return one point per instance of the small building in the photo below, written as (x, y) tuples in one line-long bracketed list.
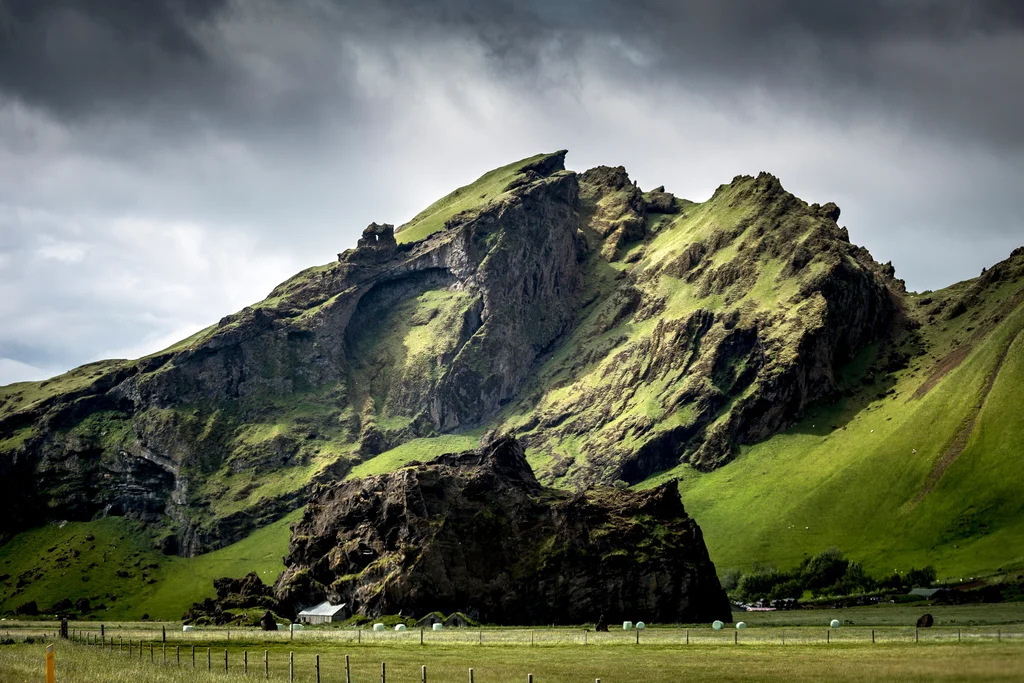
[(324, 613), (429, 620), (456, 620)]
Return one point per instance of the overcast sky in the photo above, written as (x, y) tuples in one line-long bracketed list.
[(164, 163)]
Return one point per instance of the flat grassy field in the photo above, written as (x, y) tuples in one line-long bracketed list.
[(980, 660)]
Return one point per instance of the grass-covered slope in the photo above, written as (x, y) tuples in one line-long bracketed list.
[(111, 563), (485, 189), (917, 465)]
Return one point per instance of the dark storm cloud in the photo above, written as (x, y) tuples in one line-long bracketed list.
[(947, 63), (74, 57), (165, 162)]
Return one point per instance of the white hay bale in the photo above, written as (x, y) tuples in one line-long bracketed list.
[(297, 627), (717, 625), (741, 624), (438, 627), (640, 626), (627, 625), (834, 624), (188, 629), (378, 627), (400, 627)]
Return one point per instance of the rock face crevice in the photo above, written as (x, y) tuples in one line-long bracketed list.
[(476, 532)]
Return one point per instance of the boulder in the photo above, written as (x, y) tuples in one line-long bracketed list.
[(29, 608), (268, 623)]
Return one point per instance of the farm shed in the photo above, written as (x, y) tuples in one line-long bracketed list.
[(430, 619), (456, 620), (324, 613)]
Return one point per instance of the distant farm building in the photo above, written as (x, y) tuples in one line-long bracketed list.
[(431, 619), (324, 613), (456, 620), (926, 593)]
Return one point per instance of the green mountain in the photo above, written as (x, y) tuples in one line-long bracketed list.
[(743, 345)]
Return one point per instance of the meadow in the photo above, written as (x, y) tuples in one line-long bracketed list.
[(610, 661), (968, 643)]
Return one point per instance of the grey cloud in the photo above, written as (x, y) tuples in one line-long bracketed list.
[(274, 131)]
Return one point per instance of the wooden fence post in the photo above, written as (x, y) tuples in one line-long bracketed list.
[(348, 671), (872, 636), (471, 676), (225, 660), (529, 678), (735, 637), (383, 673), (421, 636), (163, 632), (177, 655), (152, 655), (423, 674), (828, 636), (318, 669), (209, 661), (193, 656), (266, 664), (687, 639), (120, 644), (165, 653), (245, 661), (291, 667), (917, 633), (638, 636)]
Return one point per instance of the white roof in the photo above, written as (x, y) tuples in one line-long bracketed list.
[(324, 609)]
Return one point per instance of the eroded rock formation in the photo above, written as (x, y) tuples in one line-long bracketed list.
[(476, 532)]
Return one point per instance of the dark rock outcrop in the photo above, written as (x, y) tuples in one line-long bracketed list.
[(233, 596), (476, 531)]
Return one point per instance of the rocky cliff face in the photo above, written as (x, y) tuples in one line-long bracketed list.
[(475, 532), (616, 332), (342, 361)]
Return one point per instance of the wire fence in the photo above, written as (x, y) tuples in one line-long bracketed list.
[(120, 637)]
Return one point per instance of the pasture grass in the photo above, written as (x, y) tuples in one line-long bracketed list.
[(612, 662)]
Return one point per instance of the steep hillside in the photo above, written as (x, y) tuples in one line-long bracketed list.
[(919, 463), (743, 344)]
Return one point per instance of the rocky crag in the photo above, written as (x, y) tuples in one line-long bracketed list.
[(475, 532), (616, 332)]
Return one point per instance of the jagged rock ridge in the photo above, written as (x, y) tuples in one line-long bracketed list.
[(475, 532)]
